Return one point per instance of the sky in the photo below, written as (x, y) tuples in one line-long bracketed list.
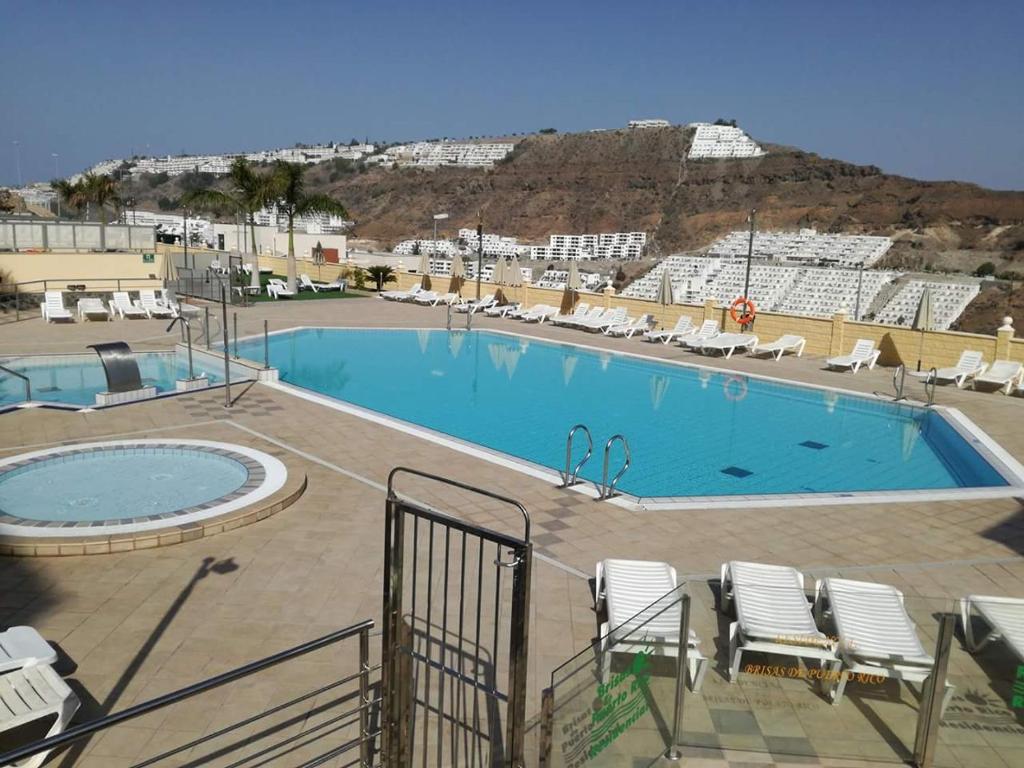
[(933, 90)]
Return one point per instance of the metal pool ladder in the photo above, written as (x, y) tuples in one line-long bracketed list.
[(28, 384), (607, 490), (569, 477), (899, 376), (929, 385)]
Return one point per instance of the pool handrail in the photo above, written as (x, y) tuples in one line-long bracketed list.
[(569, 477), (24, 379), (188, 341), (607, 490)]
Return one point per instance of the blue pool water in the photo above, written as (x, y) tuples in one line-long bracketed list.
[(693, 432), (76, 379), (114, 484)]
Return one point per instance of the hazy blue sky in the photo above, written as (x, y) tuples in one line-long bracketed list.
[(928, 89)]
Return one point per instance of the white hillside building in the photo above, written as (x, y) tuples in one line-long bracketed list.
[(721, 141), (611, 245)]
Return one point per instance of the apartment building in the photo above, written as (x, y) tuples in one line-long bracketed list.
[(612, 245), (721, 142), (438, 153), (649, 124), (807, 247)]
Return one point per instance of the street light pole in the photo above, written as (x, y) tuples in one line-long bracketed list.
[(56, 175), (860, 283), (433, 243), (479, 253), (750, 255)]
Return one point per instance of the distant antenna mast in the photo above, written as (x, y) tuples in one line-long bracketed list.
[(479, 250), (750, 254)]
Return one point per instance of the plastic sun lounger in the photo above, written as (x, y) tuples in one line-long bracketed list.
[(124, 307), (1004, 617), (631, 591), (500, 310), (279, 288), (864, 353), (727, 343), (782, 345), (53, 307), (93, 309), (969, 366), (31, 694), (24, 647), (610, 317), (683, 327), (473, 306), (876, 636), (400, 295), (312, 285), (1003, 374), (573, 320), (581, 311), (772, 614), (425, 297), (153, 308), (539, 314), (642, 323), (708, 330)]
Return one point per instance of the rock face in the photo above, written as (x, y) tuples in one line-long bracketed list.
[(10, 202)]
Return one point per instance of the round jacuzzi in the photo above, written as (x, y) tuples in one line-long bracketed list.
[(131, 487)]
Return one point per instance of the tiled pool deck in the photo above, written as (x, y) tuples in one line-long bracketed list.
[(136, 624)]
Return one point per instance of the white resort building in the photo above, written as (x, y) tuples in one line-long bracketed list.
[(612, 245), (721, 141)]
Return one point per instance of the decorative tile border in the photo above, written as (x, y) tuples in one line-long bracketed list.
[(265, 476)]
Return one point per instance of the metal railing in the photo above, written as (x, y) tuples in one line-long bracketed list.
[(930, 384), (24, 380), (367, 706), (899, 378), (569, 477), (188, 341), (607, 490)]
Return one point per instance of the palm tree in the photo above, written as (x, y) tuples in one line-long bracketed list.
[(101, 190), (248, 193), (292, 200), (381, 273), (71, 193)]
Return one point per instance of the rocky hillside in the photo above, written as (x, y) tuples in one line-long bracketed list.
[(641, 180)]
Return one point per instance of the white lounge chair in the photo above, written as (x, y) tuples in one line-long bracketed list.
[(278, 288), (166, 298), (708, 330), (782, 345), (472, 307), (581, 311), (727, 343), (426, 297), (876, 636), (772, 614), (593, 313), (401, 295), (631, 592), (684, 327), (1004, 375), (24, 647), (539, 313), (93, 309), (864, 353), (153, 308), (53, 307), (969, 366), (31, 694), (609, 318), (1004, 619), (123, 306), (312, 285), (501, 310), (627, 329)]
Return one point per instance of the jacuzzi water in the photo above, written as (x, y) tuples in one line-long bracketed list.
[(694, 432), (118, 483), (76, 379)]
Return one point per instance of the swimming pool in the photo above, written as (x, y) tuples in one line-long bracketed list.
[(77, 379), (693, 432)]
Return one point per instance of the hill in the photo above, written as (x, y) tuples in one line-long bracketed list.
[(641, 180)]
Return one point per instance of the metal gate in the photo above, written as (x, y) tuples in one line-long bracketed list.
[(456, 616)]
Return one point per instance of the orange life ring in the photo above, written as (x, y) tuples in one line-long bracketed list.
[(727, 388), (749, 310)]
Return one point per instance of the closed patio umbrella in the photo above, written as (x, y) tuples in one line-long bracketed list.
[(458, 275), (923, 320), (572, 287), (425, 272), (665, 295), (515, 273)]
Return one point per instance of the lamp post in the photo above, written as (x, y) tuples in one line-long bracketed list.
[(17, 159), (56, 175), (860, 283), (750, 255), (479, 253)]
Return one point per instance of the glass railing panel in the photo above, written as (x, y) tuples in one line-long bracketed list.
[(612, 705), (984, 722)]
